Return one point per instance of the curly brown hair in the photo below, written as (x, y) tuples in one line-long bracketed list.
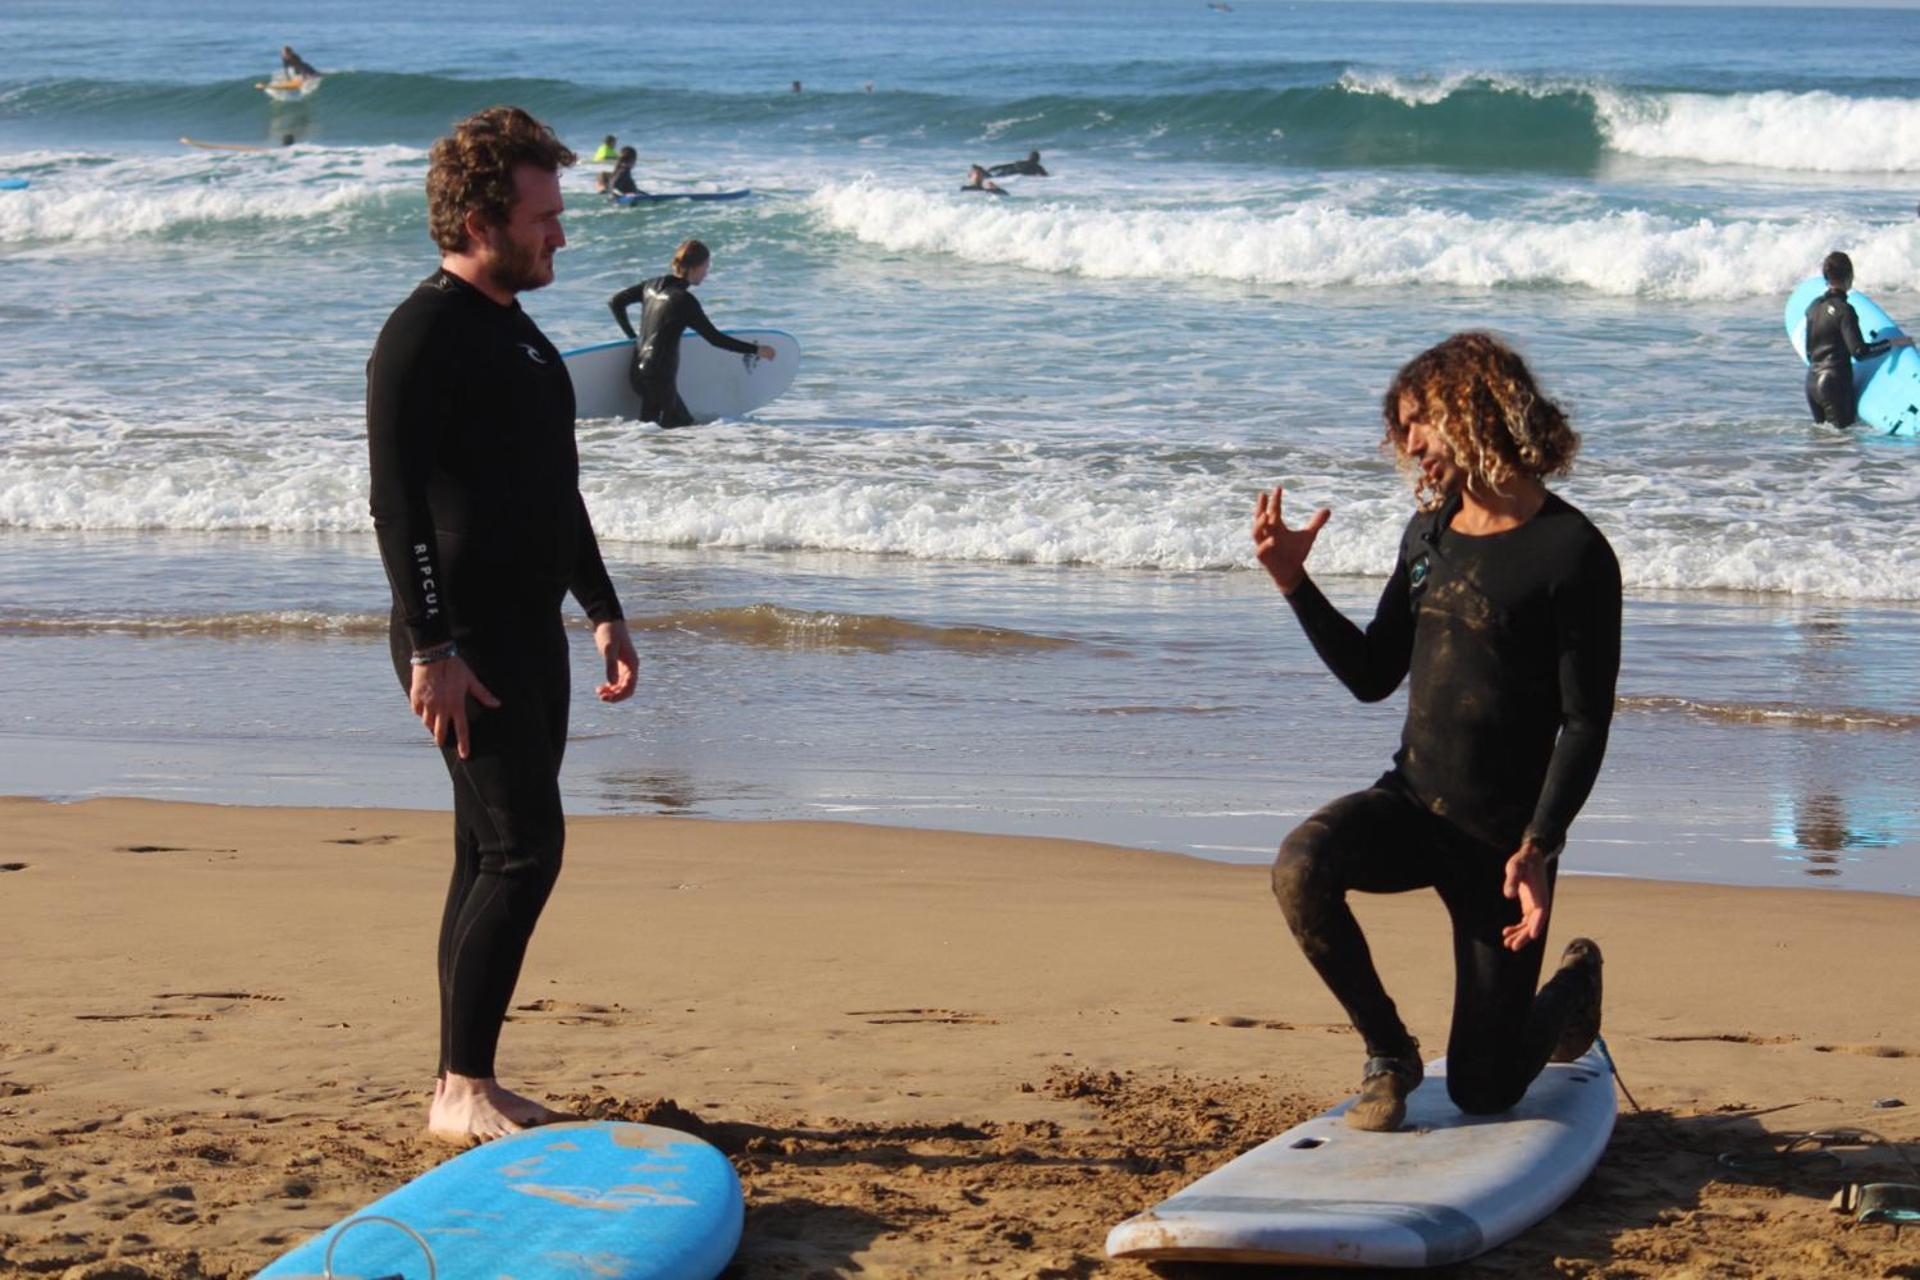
[(471, 169), (1478, 395)]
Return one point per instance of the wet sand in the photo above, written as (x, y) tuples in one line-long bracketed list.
[(928, 1053)]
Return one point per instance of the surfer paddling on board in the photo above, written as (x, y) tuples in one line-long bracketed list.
[(482, 530), (620, 181), (667, 310), (1503, 614), (295, 67), (1028, 168), (977, 180), (1834, 343)]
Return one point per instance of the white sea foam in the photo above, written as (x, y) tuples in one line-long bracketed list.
[(1322, 244), (1819, 132), (939, 495), (82, 198)]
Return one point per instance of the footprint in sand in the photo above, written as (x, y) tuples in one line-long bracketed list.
[(231, 999), (13, 866), (1263, 1024), (573, 1013), (1725, 1037), (1865, 1050), (166, 848), (953, 1017), (364, 840)]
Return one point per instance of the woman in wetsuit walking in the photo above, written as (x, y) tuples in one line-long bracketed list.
[(667, 310)]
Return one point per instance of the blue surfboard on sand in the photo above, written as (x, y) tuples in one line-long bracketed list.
[(1886, 388), (593, 1198), (655, 197)]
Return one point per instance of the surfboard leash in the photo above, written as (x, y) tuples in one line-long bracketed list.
[(1614, 1067)]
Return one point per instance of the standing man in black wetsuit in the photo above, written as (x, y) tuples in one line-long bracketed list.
[(477, 507), (1504, 611), (668, 309), (1834, 343)]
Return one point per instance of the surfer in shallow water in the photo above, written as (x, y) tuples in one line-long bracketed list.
[(483, 533), (667, 310), (977, 180), (1028, 168), (1503, 614), (1834, 343)]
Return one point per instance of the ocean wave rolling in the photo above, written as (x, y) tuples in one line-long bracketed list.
[(1323, 244)]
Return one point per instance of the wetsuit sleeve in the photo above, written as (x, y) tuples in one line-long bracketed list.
[(698, 322), (1858, 346), (619, 303), (1586, 624), (404, 422), (591, 585), (1371, 663)]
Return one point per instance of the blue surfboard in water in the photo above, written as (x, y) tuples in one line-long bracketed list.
[(14, 184), (592, 1198), (1886, 388), (655, 197)]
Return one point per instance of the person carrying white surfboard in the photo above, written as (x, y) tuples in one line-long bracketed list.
[(1503, 614), (483, 533), (667, 310), (1834, 343)]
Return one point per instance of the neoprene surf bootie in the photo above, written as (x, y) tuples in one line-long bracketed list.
[(1580, 968), (1384, 1086)]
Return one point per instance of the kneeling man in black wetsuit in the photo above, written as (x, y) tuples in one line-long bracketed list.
[(1503, 613), (477, 508), (1834, 343)]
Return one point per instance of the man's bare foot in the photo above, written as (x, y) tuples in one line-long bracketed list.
[(468, 1110)]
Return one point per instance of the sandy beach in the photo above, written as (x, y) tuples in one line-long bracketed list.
[(928, 1054)]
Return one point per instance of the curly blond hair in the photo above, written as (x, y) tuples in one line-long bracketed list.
[(471, 169), (1478, 395)]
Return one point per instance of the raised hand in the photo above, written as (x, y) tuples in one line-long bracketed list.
[(1282, 552)]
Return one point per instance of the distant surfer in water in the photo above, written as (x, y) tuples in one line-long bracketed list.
[(620, 182), (1834, 343), (977, 180), (295, 67), (483, 533), (667, 310), (1503, 613), (609, 149), (1028, 168)]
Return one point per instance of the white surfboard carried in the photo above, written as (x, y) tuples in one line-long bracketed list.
[(714, 383), (1447, 1187)]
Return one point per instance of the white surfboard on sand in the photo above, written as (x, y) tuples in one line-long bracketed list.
[(714, 383), (1447, 1187)]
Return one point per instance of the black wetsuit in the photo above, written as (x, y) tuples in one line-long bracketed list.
[(1511, 642), (295, 66), (621, 182), (668, 309), (1833, 344), (477, 509), (1025, 168)]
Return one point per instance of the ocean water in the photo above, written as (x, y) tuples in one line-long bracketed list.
[(987, 564)]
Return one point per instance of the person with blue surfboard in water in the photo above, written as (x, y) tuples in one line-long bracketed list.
[(1834, 343), (483, 533), (667, 310), (1503, 617)]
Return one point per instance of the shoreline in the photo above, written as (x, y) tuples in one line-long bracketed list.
[(222, 1037)]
